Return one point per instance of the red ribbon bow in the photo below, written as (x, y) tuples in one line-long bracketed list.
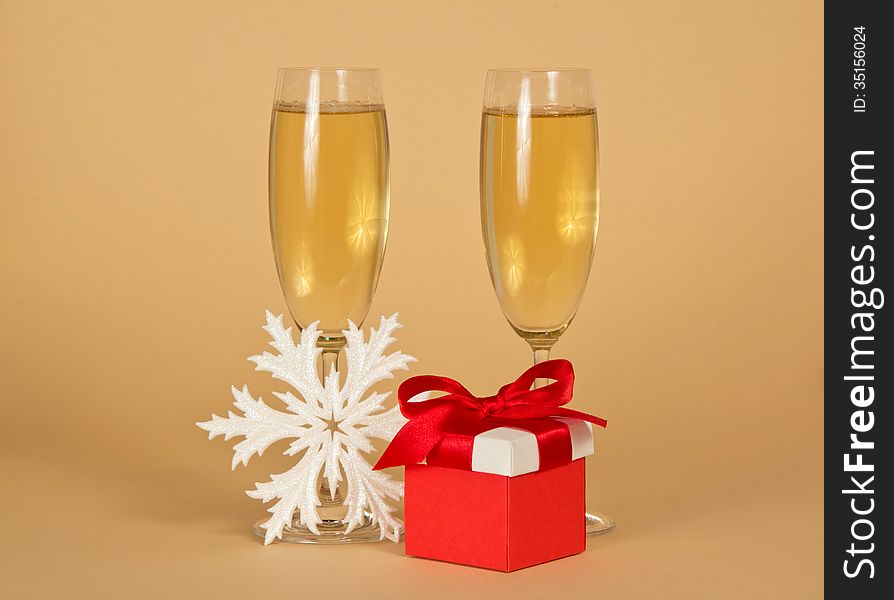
[(428, 433)]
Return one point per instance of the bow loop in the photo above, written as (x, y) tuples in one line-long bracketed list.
[(431, 420)]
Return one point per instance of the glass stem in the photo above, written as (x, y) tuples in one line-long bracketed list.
[(540, 355), (329, 359)]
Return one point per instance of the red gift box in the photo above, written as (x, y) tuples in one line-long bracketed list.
[(494, 521), (503, 486)]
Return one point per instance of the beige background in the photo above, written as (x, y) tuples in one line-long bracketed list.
[(136, 266)]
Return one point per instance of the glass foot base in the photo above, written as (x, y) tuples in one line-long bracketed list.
[(331, 532), (598, 523)]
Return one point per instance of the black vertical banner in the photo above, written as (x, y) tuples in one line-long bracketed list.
[(858, 223)]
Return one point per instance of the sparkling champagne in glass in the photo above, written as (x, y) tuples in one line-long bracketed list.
[(329, 202), (540, 201)]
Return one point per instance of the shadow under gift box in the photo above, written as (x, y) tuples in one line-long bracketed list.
[(505, 514)]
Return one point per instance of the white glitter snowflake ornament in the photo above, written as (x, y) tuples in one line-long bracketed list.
[(356, 416)]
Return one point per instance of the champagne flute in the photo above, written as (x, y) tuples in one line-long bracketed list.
[(540, 201), (329, 202)]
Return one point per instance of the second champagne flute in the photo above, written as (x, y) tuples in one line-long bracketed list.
[(540, 201)]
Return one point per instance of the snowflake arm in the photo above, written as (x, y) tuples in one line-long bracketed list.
[(384, 426), (294, 364), (296, 489), (367, 492), (367, 364), (261, 426)]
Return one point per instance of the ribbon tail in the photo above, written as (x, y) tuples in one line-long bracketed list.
[(533, 411), (392, 457), (576, 414), (405, 448), (419, 436)]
